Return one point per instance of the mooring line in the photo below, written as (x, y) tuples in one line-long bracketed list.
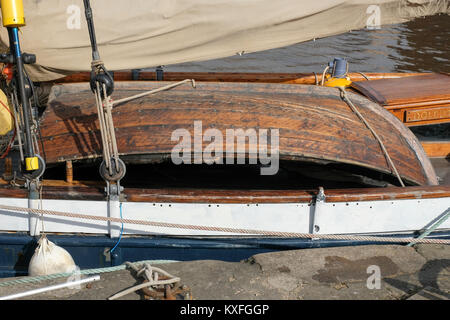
[(345, 97), (53, 276)]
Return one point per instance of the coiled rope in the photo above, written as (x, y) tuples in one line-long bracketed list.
[(149, 273)]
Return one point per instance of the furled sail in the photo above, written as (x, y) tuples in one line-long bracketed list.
[(145, 33)]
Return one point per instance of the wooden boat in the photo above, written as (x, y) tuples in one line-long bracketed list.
[(322, 143), (415, 98), (314, 125), (335, 178)]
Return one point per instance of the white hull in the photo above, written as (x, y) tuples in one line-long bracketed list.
[(363, 217)]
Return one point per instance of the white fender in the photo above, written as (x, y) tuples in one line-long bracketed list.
[(49, 258)]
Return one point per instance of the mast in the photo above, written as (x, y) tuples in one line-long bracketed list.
[(112, 168), (22, 89)]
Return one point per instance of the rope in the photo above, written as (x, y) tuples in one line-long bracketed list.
[(104, 106), (386, 154), (316, 80), (170, 86), (365, 77), (151, 274), (106, 127), (227, 229), (323, 75), (36, 279), (97, 63)]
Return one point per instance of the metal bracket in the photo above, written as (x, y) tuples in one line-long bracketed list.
[(434, 225), (159, 73), (319, 201), (113, 190), (135, 74), (34, 220)]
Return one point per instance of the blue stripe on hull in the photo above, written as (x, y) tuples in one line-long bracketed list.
[(16, 249)]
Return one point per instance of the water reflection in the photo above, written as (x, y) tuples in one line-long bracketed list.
[(424, 45), (416, 46)]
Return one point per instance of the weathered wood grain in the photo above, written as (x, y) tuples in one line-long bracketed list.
[(313, 123)]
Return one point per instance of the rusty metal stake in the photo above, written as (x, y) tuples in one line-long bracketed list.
[(8, 174), (69, 171)]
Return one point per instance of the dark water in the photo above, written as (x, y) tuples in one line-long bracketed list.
[(420, 45)]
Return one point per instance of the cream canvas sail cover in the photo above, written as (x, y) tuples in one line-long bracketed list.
[(134, 34)]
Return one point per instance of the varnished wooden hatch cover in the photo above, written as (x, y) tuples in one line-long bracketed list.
[(417, 100), (314, 123)]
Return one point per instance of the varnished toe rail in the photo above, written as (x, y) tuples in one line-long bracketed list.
[(96, 193), (436, 149), (295, 78)]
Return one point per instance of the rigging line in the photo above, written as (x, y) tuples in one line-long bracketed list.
[(383, 148), (41, 140), (38, 105), (323, 75), (110, 125), (121, 232), (170, 86), (365, 77), (100, 113)]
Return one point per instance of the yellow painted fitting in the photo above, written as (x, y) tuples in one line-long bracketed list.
[(12, 13), (338, 82), (31, 163), (6, 118)]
